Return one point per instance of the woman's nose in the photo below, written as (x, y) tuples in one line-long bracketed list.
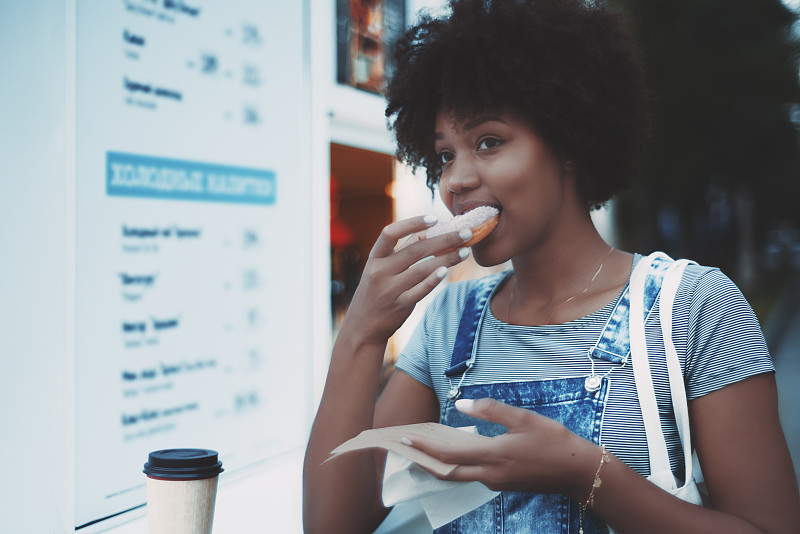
[(462, 177)]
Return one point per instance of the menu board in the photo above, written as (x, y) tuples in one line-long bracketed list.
[(193, 247)]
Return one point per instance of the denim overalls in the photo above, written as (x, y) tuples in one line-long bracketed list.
[(577, 403)]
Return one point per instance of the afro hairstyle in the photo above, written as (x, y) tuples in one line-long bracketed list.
[(568, 67)]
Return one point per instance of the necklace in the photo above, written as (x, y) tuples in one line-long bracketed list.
[(579, 293)]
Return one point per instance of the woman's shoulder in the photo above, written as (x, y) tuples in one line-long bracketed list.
[(700, 281), (708, 298), (706, 292)]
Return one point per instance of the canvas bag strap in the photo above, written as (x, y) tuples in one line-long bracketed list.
[(659, 458), (669, 288), (660, 473)]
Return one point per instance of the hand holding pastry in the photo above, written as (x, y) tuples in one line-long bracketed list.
[(395, 279), (481, 221)]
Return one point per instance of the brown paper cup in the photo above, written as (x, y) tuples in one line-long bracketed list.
[(181, 490)]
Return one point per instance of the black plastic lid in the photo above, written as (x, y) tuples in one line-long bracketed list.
[(183, 464)]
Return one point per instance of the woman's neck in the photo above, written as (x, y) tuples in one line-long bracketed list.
[(570, 275)]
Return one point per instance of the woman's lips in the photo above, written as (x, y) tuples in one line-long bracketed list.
[(460, 208)]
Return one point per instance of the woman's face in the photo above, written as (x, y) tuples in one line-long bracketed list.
[(498, 160)]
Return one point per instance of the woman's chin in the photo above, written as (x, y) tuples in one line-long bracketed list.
[(486, 256)]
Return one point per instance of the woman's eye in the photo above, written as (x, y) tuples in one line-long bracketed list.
[(445, 157), (489, 143)]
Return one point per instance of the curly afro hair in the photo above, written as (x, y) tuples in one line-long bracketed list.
[(567, 66)]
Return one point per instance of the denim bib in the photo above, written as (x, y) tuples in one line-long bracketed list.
[(577, 403)]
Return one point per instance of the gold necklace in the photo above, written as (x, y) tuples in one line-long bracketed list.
[(579, 293)]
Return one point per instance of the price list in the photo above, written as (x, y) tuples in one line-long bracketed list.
[(193, 238)]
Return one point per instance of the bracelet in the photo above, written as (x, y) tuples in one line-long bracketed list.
[(605, 458)]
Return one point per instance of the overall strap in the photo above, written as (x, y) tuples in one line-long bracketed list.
[(614, 343), (465, 347)]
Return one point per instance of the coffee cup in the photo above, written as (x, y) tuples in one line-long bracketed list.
[(181, 490)]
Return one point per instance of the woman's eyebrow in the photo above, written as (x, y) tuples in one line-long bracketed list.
[(481, 120), (438, 136)]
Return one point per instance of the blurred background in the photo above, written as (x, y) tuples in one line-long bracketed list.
[(291, 92), (720, 179)]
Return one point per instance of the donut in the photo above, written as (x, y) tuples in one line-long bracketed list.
[(481, 220)]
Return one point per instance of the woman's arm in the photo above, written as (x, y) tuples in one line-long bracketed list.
[(343, 495), (740, 445), (745, 462), (743, 453)]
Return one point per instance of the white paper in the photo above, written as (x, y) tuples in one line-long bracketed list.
[(442, 500), (390, 439)]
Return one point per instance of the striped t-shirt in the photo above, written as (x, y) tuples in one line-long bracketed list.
[(716, 335)]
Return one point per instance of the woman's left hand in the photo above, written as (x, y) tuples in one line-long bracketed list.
[(537, 454)]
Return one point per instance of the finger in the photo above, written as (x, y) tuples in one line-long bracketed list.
[(408, 240), (420, 270), (493, 410), (468, 473), (423, 277), (435, 246), (467, 452), (422, 288), (463, 473), (395, 231)]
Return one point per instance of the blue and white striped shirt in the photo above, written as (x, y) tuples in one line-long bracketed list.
[(716, 335)]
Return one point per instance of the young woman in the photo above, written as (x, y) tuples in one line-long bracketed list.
[(536, 108)]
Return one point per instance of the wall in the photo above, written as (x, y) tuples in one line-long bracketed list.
[(35, 240), (37, 287)]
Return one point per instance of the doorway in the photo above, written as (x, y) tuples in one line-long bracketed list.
[(360, 207)]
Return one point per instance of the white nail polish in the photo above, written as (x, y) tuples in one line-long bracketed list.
[(463, 252), (465, 234), (430, 219), (405, 441), (464, 404), (441, 272)]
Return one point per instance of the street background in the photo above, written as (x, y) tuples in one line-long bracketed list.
[(783, 337)]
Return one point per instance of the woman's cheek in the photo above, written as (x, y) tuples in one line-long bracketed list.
[(444, 194)]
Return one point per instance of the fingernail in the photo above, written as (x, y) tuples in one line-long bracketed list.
[(405, 441), (464, 404), (430, 219), (441, 272), (465, 234), (463, 252)]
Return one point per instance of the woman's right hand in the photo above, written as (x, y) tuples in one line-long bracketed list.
[(394, 279)]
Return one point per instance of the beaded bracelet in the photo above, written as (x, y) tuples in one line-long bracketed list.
[(605, 457)]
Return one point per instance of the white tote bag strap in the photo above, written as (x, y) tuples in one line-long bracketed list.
[(660, 472), (669, 288), (656, 445)]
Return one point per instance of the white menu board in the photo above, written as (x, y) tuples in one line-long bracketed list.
[(193, 238)]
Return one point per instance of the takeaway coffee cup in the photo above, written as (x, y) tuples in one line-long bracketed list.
[(181, 490)]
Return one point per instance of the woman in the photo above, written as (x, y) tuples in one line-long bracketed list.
[(536, 108)]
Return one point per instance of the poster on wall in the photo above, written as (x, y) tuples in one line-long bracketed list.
[(193, 230), (366, 33)]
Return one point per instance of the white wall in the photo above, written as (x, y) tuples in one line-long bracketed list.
[(35, 254)]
